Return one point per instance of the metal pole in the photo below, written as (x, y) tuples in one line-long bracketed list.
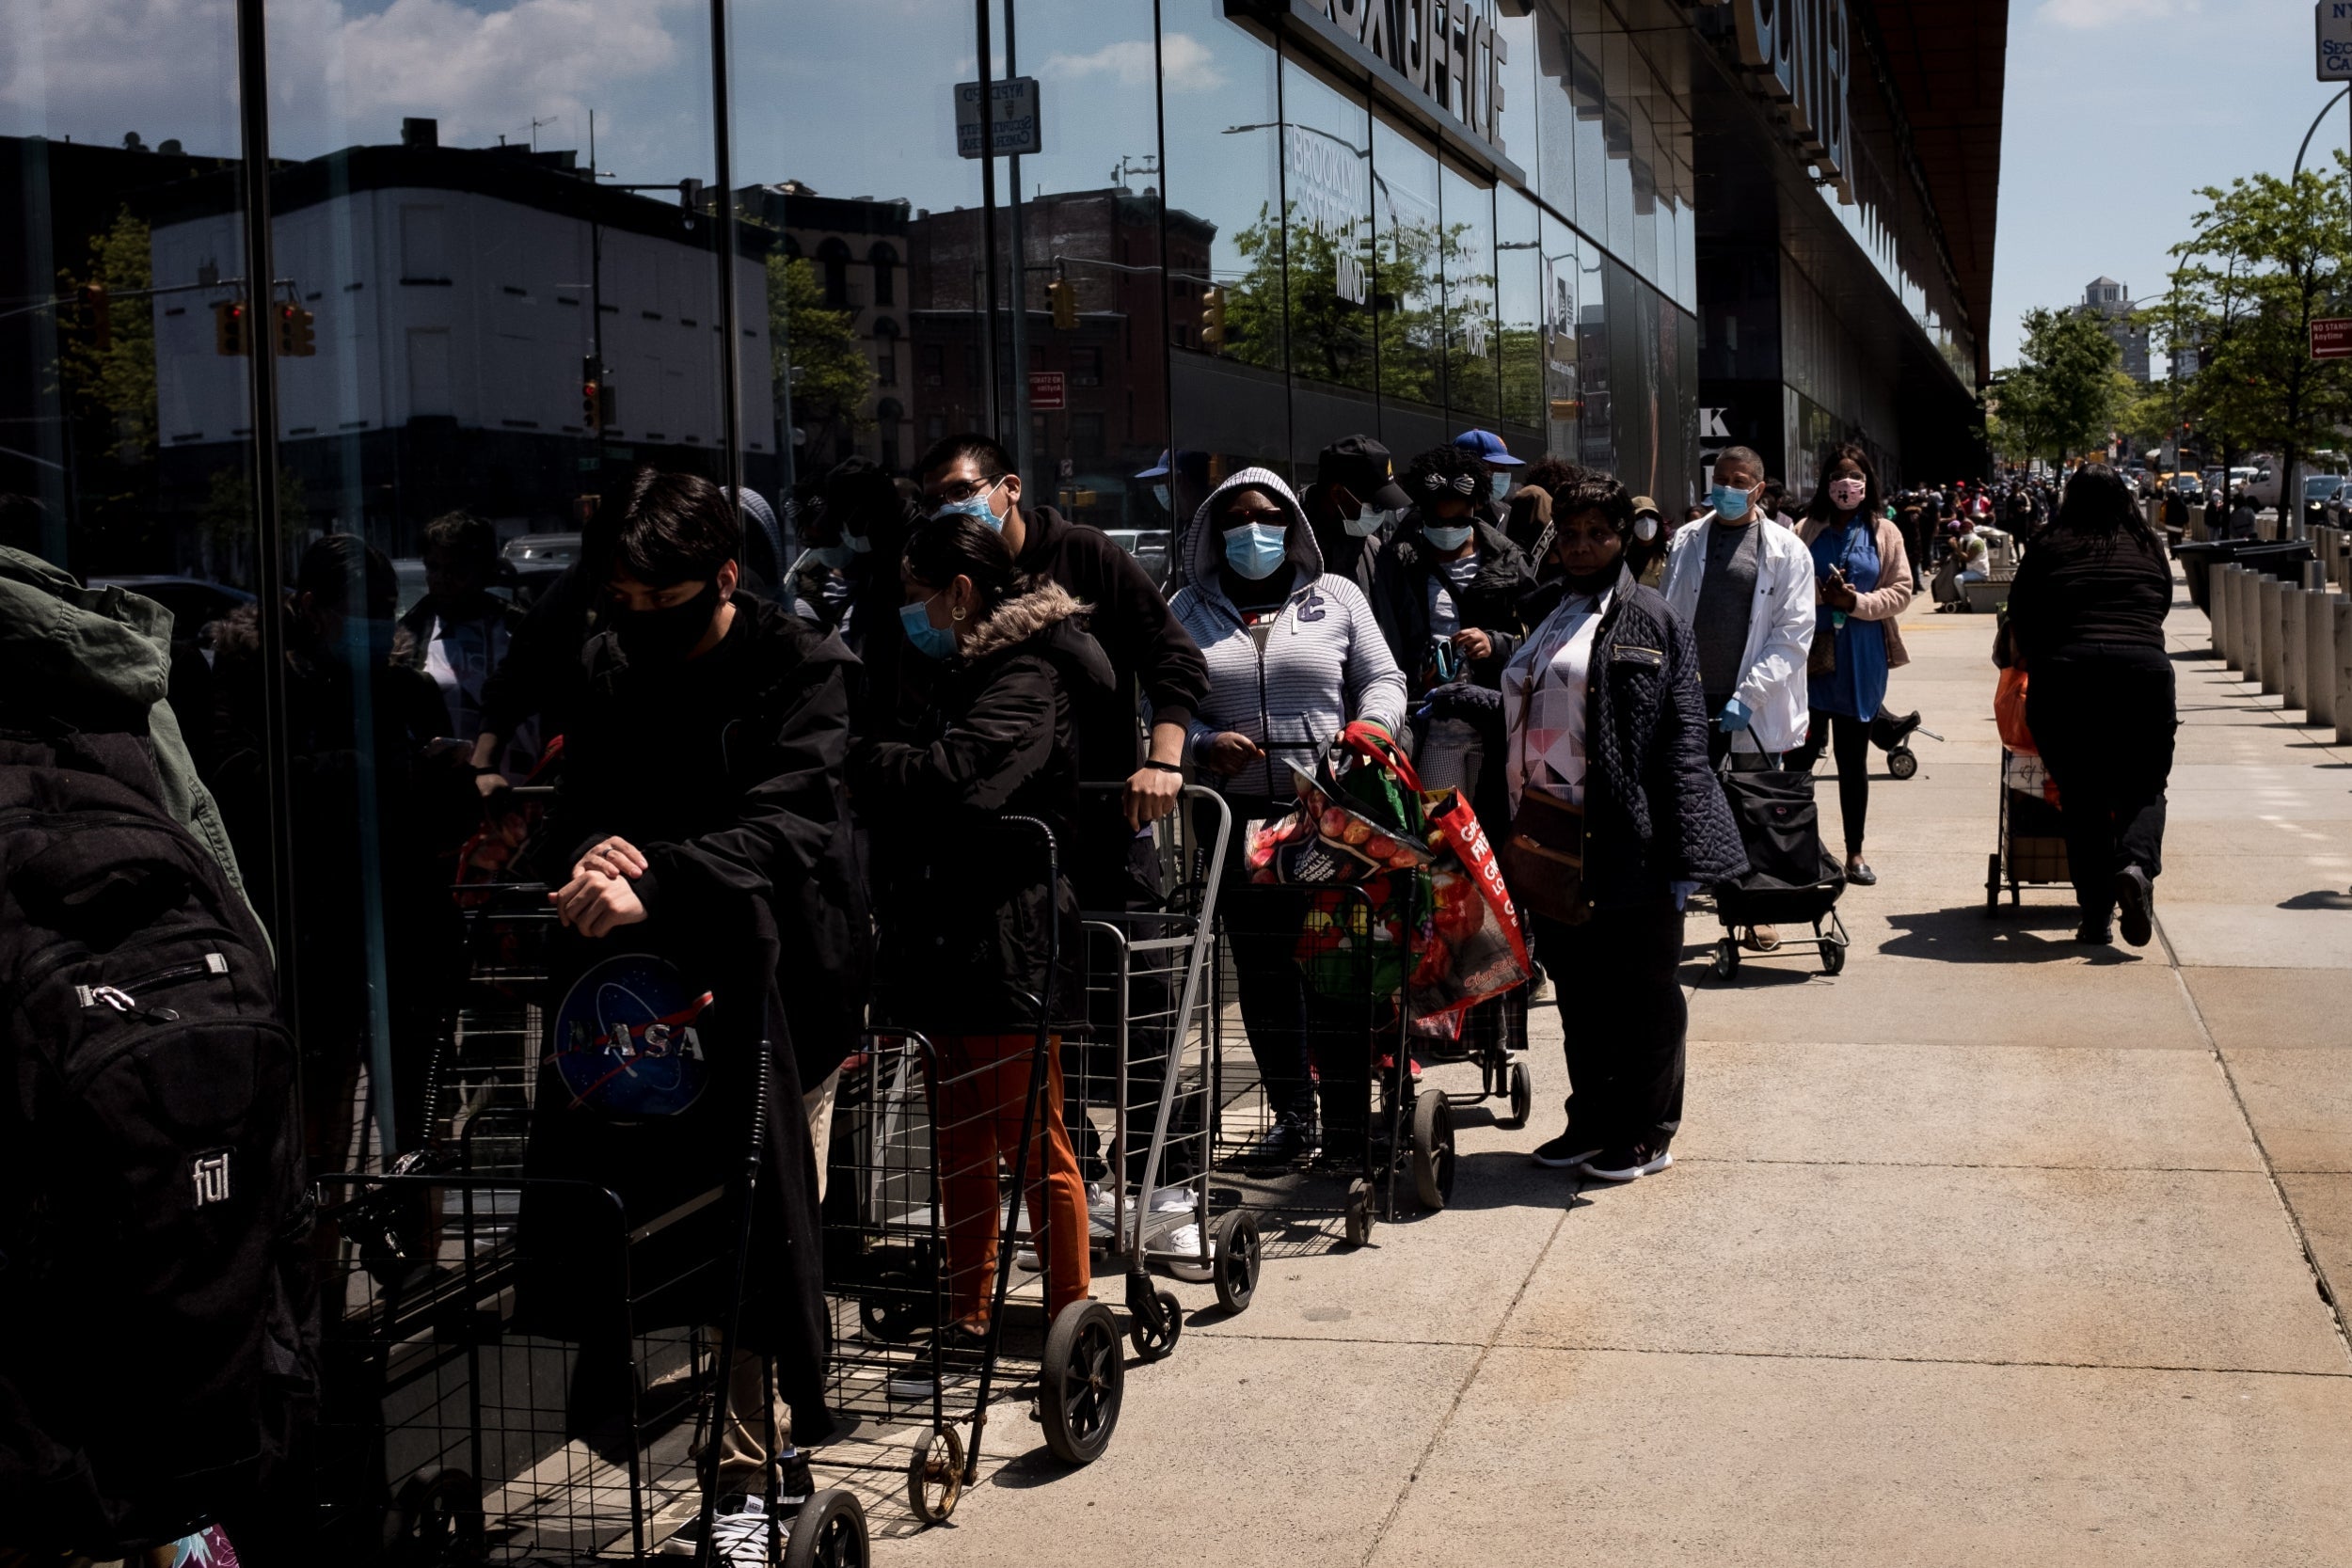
[(2340, 92), (730, 356), (269, 580), (988, 218), (1022, 454)]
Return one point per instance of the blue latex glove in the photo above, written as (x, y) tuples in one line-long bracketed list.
[(1735, 717), (1682, 892)]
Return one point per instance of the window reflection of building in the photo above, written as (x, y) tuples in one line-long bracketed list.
[(852, 246)]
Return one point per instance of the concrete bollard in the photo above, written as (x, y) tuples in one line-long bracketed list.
[(2294, 645), (2319, 656), (2250, 603), (2218, 612), (2341, 613), (2197, 523), (2245, 640), (2271, 601)]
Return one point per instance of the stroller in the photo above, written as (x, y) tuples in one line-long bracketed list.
[(1792, 877)]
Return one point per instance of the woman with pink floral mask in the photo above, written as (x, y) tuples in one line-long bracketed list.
[(1862, 581)]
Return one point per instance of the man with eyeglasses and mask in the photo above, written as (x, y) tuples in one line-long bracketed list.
[(1353, 507)]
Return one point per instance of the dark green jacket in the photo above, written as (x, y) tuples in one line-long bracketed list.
[(100, 658)]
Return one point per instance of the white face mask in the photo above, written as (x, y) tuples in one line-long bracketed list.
[(1645, 528)]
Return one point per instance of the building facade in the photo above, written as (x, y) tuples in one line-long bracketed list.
[(2106, 298), (527, 261)]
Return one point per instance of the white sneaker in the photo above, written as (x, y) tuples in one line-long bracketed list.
[(740, 1539), (1181, 1247), (1098, 1197)]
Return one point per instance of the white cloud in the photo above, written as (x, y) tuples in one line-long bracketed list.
[(1187, 61), (342, 75), (2089, 15)]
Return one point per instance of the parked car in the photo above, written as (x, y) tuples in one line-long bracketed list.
[(195, 603), (526, 550), (1152, 547), (2317, 488)]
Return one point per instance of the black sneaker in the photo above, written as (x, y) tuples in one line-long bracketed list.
[(1564, 1152), (1627, 1165), (2095, 933), (1290, 1140), (2136, 900), (794, 1485)]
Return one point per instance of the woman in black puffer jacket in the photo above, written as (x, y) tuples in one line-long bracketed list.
[(1601, 709), (965, 912)]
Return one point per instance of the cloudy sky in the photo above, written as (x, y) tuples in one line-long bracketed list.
[(2117, 112)]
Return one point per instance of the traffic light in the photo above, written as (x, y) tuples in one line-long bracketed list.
[(232, 330), (1213, 319), (97, 316), (296, 339), (1062, 295), (595, 398)]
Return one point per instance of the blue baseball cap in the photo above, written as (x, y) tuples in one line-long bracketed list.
[(1487, 448), (1158, 471)]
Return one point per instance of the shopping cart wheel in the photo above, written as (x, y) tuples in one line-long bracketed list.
[(1726, 959), (828, 1532), (935, 1476), (1833, 956), (1155, 1321), (1433, 1150), (1081, 1383), (437, 1521), (1902, 762), (1238, 1250), (1359, 1215), (1522, 1097)]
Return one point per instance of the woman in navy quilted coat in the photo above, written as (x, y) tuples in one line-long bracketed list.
[(1601, 708)]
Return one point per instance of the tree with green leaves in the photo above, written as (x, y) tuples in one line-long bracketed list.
[(815, 346), (2267, 256), (2062, 397)]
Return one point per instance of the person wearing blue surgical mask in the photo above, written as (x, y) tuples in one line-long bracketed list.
[(965, 940), (1293, 655)]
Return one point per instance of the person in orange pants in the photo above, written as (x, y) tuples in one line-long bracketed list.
[(983, 1097)]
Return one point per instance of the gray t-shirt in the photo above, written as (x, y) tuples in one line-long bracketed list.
[(1727, 601)]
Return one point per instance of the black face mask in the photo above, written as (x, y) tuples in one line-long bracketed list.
[(655, 637)]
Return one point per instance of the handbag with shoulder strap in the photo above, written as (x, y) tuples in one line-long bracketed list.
[(1543, 856)]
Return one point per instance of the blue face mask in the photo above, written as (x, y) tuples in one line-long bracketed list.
[(1446, 538), (858, 543), (1167, 502), (1255, 549), (1731, 502), (930, 641), (1500, 485), (973, 506), (1366, 523)]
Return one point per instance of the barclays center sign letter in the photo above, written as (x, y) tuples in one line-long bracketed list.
[(1435, 59), (1802, 56)]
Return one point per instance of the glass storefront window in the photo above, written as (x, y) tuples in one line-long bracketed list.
[(1561, 284), (1327, 185), (1521, 311), (1590, 97), (1522, 117), (1467, 262), (1410, 289), (1222, 170)]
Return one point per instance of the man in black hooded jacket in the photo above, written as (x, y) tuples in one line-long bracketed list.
[(703, 798)]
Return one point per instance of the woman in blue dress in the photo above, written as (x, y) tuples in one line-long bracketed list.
[(1862, 581)]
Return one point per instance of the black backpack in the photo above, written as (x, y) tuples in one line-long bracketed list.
[(157, 1336)]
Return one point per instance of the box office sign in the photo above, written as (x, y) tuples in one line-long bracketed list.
[(1804, 55), (1443, 52)]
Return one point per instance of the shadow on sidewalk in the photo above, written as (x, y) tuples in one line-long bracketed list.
[(2031, 933)]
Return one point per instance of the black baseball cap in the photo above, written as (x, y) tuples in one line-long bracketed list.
[(1364, 466)]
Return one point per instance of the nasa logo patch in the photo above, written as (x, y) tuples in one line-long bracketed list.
[(627, 1040)]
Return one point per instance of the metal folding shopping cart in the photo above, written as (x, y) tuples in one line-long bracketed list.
[(1359, 1055), (2031, 849), (913, 1173), (1142, 1066)]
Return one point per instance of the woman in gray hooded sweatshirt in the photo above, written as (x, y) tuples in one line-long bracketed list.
[(1293, 655)]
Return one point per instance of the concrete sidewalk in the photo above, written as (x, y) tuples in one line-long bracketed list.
[(1992, 1249)]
